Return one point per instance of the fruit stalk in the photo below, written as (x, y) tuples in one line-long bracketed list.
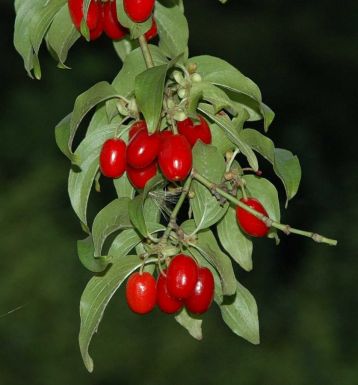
[(287, 229), (145, 51)]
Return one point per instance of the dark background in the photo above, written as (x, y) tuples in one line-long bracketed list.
[(304, 57)]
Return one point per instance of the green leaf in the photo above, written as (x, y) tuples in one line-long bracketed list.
[(123, 187), (219, 139), (85, 251), (240, 313), (173, 30), (136, 214), (62, 133), (96, 297), (232, 133), (98, 120), (111, 218), (234, 241), (86, 101), (190, 323), (263, 190), (288, 169), (211, 251), (208, 162), (149, 89), (260, 143), (134, 65), (81, 179), (124, 47), (62, 35)]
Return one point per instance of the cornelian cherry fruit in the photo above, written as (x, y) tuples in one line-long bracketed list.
[(165, 301), (140, 176), (112, 159), (112, 27), (175, 157), (182, 276), (136, 127), (138, 10), (141, 292), (203, 294), (142, 149), (248, 222), (94, 16), (195, 131)]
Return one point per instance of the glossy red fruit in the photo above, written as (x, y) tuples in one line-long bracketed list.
[(165, 301), (175, 158), (138, 10), (94, 17), (136, 127), (248, 222), (112, 159), (140, 176), (112, 27), (203, 294), (141, 292), (152, 32), (164, 135), (182, 276), (142, 149), (195, 131)]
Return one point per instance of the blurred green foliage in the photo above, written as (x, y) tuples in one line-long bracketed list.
[(304, 56)]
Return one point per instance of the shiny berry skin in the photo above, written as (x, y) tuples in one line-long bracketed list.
[(140, 176), (248, 222), (182, 276), (141, 292), (112, 159), (203, 294), (142, 149), (136, 127), (165, 301), (94, 17), (195, 131), (112, 27), (175, 158), (164, 135), (138, 10), (152, 32)]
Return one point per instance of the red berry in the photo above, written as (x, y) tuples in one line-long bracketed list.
[(142, 149), (112, 27), (182, 276), (195, 131), (138, 10), (165, 301), (140, 176), (248, 222), (136, 127), (112, 159), (94, 16), (202, 297), (164, 135), (152, 32), (141, 293), (175, 157)]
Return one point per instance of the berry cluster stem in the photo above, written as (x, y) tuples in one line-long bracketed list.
[(268, 221), (145, 51)]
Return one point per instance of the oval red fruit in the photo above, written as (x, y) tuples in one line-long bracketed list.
[(152, 32), (195, 131), (165, 301), (140, 176), (203, 294), (141, 292), (248, 222), (136, 127), (112, 158), (94, 16), (142, 149), (182, 276), (175, 158), (138, 10), (112, 27)]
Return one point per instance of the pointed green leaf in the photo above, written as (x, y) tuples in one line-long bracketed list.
[(85, 251), (190, 323), (260, 143), (136, 215)]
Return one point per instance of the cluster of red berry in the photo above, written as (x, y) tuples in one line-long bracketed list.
[(184, 283), (102, 17), (144, 151)]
